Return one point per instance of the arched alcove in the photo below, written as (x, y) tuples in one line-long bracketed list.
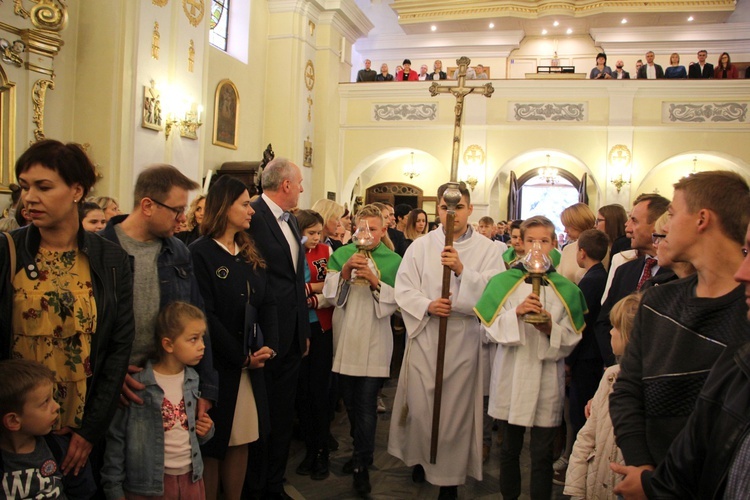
[(526, 165), (386, 166), (661, 178)]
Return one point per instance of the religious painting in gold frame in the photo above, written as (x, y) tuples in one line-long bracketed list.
[(226, 115)]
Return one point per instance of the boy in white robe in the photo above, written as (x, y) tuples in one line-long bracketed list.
[(362, 338), (474, 259), (528, 375)]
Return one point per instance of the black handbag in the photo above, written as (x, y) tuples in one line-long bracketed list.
[(253, 335)]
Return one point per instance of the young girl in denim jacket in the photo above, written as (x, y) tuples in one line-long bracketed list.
[(589, 475), (153, 449)]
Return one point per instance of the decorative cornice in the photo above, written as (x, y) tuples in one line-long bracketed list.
[(346, 17), (420, 11), (445, 46), (715, 38)]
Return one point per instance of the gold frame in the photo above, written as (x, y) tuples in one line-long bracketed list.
[(217, 138), (150, 93), (7, 131)]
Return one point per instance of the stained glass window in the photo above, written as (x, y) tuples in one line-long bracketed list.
[(219, 24)]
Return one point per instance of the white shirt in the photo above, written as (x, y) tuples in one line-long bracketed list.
[(278, 212), (650, 72)]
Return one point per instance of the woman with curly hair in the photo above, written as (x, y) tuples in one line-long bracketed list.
[(194, 219)]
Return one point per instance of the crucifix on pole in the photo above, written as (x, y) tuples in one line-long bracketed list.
[(452, 197)]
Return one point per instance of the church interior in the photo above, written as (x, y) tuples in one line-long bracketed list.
[(140, 82)]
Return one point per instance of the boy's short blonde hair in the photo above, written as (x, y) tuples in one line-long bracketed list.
[(19, 377), (623, 313), (536, 221)]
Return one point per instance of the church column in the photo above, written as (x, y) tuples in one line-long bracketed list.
[(619, 159), (309, 48)]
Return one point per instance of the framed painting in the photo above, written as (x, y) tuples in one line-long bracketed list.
[(152, 109), (226, 115)]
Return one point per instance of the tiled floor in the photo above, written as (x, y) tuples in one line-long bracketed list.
[(389, 477)]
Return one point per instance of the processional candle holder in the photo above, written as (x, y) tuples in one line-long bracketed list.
[(537, 264), (363, 239)]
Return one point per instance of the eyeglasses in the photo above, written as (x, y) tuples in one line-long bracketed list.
[(656, 238), (177, 211), (600, 220)]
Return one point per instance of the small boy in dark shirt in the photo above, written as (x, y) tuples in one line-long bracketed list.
[(585, 361), (30, 456)]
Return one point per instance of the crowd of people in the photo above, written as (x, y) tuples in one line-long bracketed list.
[(138, 367), (724, 69), (405, 73)]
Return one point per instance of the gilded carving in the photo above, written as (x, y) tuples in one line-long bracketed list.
[(160, 3), (309, 75), (9, 51), (309, 108), (474, 155), (46, 14), (155, 41), (191, 56), (194, 10), (38, 95)]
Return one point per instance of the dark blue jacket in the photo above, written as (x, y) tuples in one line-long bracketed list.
[(177, 283)]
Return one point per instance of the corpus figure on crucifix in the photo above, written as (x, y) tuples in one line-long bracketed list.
[(439, 398)]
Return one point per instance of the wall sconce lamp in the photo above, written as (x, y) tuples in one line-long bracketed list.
[(619, 159), (474, 161), (190, 121)]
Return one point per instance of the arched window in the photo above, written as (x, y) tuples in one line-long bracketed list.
[(219, 24)]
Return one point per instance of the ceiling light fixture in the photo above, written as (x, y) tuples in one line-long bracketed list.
[(624, 21), (410, 170), (690, 19), (556, 23), (544, 32), (548, 174), (433, 27), (492, 25), (569, 31)]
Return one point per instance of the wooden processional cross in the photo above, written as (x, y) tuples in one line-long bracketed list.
[(452, 197)]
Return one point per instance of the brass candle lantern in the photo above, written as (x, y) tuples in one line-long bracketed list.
[(537, 264), (363, 239)]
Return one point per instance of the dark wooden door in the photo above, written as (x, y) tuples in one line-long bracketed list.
[(583, 195), (514, 208)]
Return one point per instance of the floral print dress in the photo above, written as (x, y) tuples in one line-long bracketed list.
[(54, 317)]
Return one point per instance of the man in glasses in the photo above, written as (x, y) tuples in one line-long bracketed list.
[(163, 269), (680, 331), (630, 276)]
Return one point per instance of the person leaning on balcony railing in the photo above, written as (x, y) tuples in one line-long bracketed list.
[(725, 69), (384, 76)]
